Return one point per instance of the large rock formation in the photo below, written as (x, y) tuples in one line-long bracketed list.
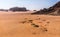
[(18, 9), (54, 10)]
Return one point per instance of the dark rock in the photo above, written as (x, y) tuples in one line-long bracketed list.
[(35, 25), (18, 9)]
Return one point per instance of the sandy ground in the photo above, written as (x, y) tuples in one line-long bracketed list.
[(24, 25)]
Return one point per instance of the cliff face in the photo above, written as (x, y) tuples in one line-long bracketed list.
[(55, 9)]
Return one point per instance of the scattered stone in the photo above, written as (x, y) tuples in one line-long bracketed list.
[(30, 20), (34, 25), (44, 29)]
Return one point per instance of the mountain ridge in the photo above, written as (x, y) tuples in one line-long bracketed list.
[(54, 10)]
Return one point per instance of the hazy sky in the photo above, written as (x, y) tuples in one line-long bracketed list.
[(29, 4)]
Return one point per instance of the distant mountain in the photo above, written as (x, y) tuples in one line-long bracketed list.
[(54, 10), (18, 9)]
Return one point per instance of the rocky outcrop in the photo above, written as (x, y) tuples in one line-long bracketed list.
[(18, 9), (54, 10)]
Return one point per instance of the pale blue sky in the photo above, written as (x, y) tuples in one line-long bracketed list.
[(29, 4)]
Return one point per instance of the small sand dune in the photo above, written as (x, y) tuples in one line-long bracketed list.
[(18, 25)]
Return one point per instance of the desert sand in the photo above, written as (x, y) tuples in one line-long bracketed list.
[(26, 25)]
